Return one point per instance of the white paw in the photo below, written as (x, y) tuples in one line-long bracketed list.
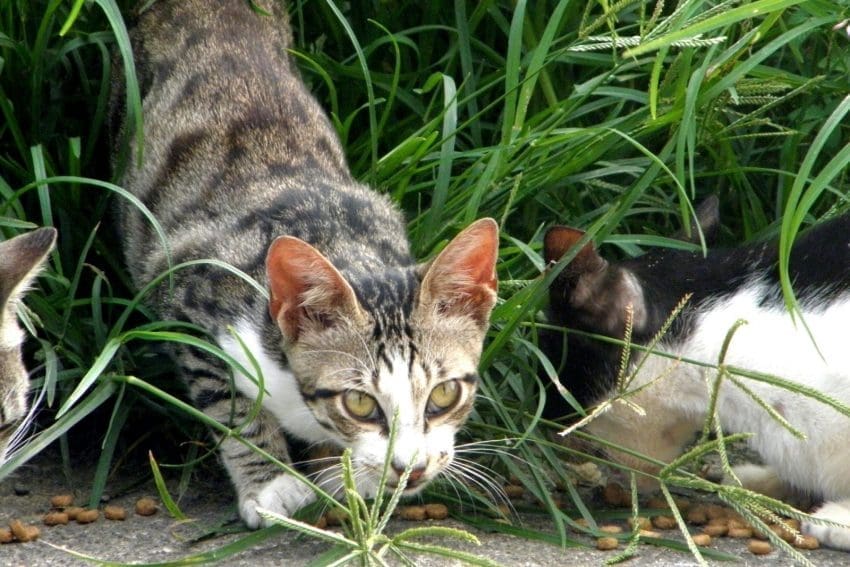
[(284, 495), (761, 479), (831, 536)]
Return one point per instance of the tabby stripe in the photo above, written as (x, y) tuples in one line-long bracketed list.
[(207, 397), (470, 378), (320, 394)]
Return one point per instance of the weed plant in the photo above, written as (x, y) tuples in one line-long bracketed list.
[(611, 116)]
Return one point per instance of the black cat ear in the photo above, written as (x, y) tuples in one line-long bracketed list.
[(561, 239), (707, 219)]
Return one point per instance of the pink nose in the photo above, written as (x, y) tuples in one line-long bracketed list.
[(415, 474)]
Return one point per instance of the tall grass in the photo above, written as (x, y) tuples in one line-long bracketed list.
[(614, 117)]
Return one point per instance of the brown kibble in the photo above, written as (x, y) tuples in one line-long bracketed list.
[(611, 529), (792, 523), (612, 494), (658, 503), (336, 516), (715, 530), (115, 513), (697, 515), (87, 516), (321, 523), (719, 522), (436, 511), (650, 533), (664, 522), (22, 531), (146, 507), (702, 540), (740, 533), (607, 543), (72, 512), (806, 542), (713, 511), (55, 519), (783, 533), (758, 547), (6, 535), (682, 504), (412, 513), (738, 522), (582, 522), (514, 491), (642, 522), (62, 500)]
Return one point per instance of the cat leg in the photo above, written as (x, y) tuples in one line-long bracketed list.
[(258, 482), (837, 537), (762, 479)]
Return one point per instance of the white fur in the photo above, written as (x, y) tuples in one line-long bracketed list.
[(769, 343), (282, 395), (11, 335), (284, 495)]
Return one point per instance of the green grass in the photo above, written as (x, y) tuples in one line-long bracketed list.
[(607, 116)]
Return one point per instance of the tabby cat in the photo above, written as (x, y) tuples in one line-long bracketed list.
[(242, 165), (20, 258), (594, 295)]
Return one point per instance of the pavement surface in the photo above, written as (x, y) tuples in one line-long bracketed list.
[(209, 502)]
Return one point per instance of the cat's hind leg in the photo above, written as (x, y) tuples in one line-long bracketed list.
[(836, 537), (762, 479)]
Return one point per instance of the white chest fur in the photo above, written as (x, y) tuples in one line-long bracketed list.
[(282, 396)]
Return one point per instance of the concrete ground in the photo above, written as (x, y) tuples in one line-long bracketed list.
[(209, 502)]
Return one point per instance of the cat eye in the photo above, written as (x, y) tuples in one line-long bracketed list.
[(360, 404), (443, 397)]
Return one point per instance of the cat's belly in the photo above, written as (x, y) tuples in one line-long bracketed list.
[(282, 396)]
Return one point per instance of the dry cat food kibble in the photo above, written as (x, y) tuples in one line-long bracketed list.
[(87, 516), (702, 540), (806, 542), (436, 511), (23, 532), (715, 530), (740, 533), (336, 516), (55, 519), (514, 491), (116, 513), (72, 512), (6, 535), (146, 507), (642, 522), (758, 547), (412, 513), (613, 494), (611, 529), (664, 522), (607, 543), (697, 515), (62, 500)]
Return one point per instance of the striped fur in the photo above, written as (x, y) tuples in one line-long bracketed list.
[(20, 259), (239, 155)]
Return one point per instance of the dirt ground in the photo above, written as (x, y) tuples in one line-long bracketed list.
[(209, 502)]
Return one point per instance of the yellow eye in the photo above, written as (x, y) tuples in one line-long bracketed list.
[(360, 404), (443, 397)]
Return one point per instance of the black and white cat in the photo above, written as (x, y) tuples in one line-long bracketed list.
[(594, 295)]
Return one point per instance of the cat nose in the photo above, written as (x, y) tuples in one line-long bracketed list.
[(415, 473)]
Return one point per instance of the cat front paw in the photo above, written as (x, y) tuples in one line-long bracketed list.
[(831, 536), (284, 495)]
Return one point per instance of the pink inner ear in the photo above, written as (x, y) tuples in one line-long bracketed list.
[(300, 277), (558, 240), (462, 279)]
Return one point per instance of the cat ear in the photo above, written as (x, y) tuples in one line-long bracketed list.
[(20, 258), (306, 290), (461, 280), (591, 286), (707, 217), (560, 239)]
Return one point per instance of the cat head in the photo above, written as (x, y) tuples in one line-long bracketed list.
[(20, 258), (405, 341), (596, 296)]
